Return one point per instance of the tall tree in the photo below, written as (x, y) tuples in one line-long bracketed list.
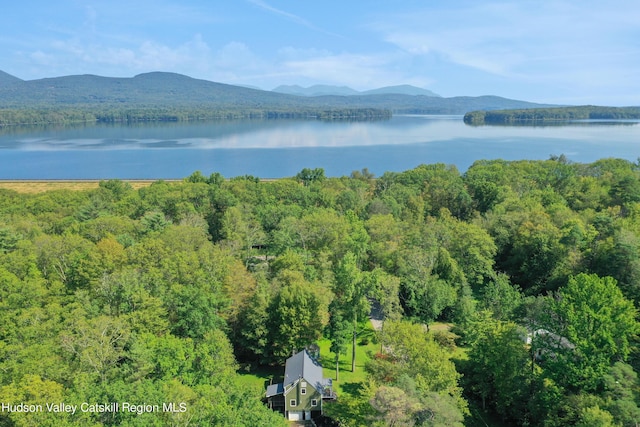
[(498, 365), (590, 324), (252, 329), (412, 353), (423, 293), (501, 298), (351, 295), (295, 319), (339, 331)]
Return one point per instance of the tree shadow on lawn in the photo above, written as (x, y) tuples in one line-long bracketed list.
[(354, 388), (345, 367), (268, 374)]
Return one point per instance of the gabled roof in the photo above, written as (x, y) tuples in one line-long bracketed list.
[(303, 366)]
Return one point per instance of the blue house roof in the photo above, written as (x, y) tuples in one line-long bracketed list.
[(303, 366)]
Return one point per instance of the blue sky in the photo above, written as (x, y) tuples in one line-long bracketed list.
[(559, 51)]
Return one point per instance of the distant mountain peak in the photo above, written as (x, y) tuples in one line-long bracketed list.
[(316, 90), (321, 90), (401, 90), (154, 75)]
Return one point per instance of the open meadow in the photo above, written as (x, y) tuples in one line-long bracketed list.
[(40, 186)]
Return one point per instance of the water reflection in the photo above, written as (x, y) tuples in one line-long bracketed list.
[(563, 123), (276, 148)]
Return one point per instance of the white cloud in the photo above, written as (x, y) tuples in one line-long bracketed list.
[(516, 39), (41, 58), (69, 47), (236, 63), (149, 55), (291, 17), (292, 53), (113, 57), (233, 55), (359, 71)]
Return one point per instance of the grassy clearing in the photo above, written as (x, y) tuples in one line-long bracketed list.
[(38, 186), (349, 382), (440, 327), (259, 376)]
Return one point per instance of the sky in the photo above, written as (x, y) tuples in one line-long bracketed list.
[(550, 51)]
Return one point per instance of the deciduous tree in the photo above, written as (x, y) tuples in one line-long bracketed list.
[(592, 323)]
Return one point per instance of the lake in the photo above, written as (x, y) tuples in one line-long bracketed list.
[(281, 148)]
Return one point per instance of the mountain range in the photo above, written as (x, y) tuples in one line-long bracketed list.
[(170, 90), (320, 90)]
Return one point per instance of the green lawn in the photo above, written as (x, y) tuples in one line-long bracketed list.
[(260, 376), (349, 381)]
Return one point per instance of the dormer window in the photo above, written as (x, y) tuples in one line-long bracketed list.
[(303, 391)]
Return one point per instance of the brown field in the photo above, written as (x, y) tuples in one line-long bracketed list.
[(79, 185)]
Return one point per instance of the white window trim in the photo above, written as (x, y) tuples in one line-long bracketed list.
[(314, 400), (303, 391), (293, 402)]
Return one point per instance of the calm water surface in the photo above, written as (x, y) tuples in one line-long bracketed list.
[(280, 148)]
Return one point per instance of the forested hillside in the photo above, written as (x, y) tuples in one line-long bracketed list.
[(160, 294), (320, 90), (160, 96), (8, 79)]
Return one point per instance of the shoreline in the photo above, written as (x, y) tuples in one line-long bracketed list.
[(32, 186)]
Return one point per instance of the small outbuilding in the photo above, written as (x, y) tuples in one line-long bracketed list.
[(548, 344)]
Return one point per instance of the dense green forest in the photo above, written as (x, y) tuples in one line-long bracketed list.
[(550, 115), (162, 294)]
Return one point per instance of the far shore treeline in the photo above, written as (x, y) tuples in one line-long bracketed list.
[(550, 115), (115, 114)]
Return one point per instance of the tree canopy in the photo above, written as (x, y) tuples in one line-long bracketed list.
[(509, 291)]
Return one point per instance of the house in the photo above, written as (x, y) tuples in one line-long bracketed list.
[(547, 343), (301, 394)]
